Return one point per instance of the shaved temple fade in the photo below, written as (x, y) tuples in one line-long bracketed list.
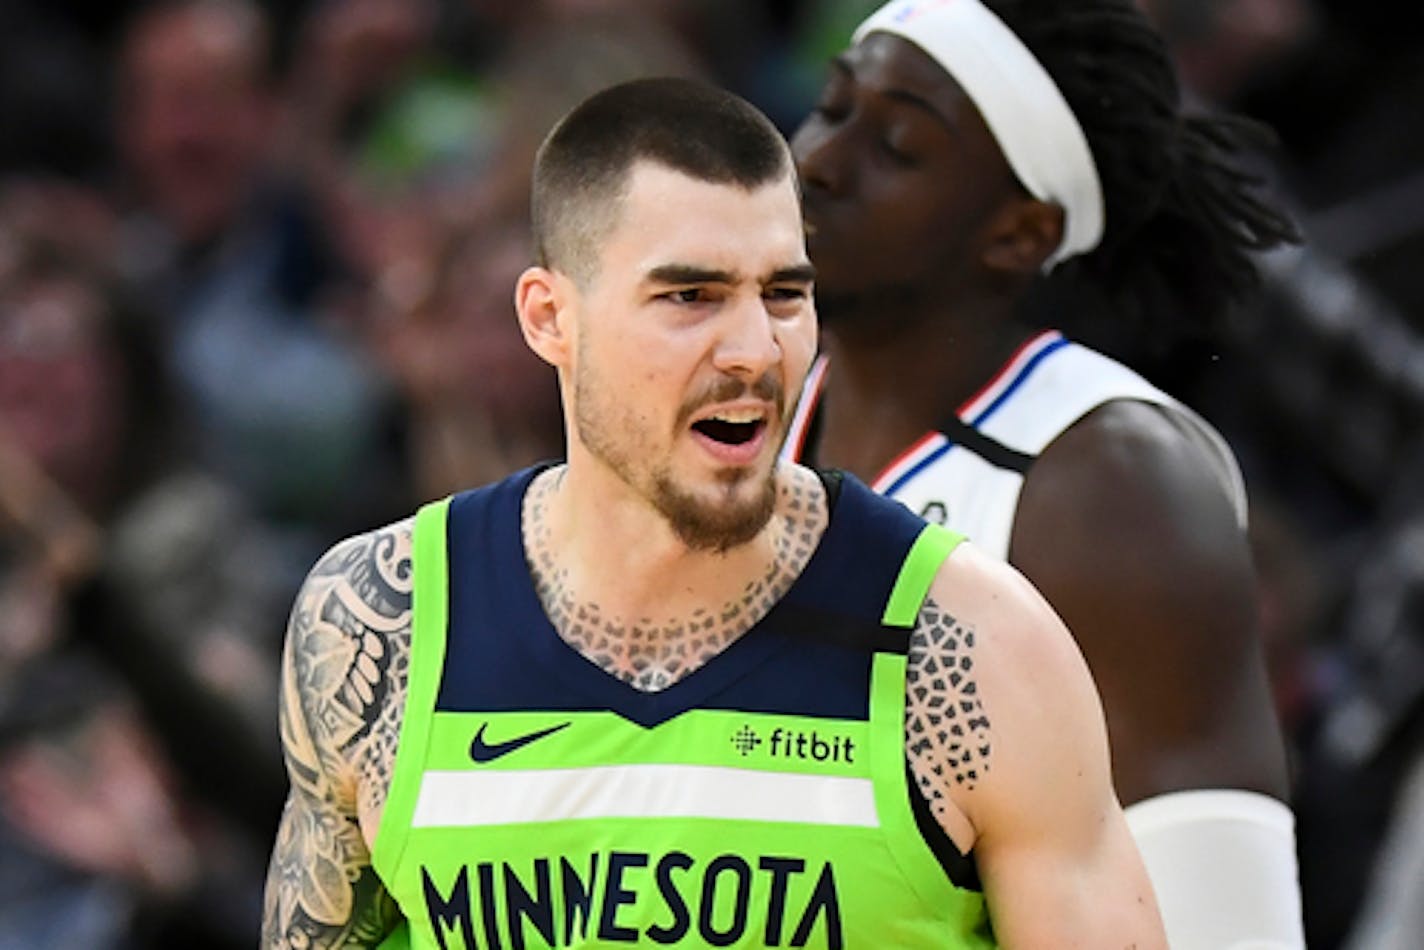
[(582, 169)]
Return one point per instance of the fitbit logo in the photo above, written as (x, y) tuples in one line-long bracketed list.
[(796, 744), (745, 739)]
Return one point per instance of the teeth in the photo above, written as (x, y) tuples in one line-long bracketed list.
[(746, 415)]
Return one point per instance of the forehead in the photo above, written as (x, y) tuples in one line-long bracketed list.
[(888, 65), (667, 216), (198, 39)]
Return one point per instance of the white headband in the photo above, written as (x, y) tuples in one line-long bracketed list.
[(1024, 109)]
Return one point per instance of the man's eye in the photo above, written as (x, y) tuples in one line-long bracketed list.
[(686, 295), (786, 293), (835, 101), (897, 152), (832, 108)]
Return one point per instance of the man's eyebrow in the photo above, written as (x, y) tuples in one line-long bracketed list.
[(692, 274), (841, 63), (689, 274), (796, 274)]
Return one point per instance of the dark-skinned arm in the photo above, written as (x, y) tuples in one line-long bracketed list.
[(1127, 526)]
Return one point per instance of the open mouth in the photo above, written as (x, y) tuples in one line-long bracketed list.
[(729, 432)]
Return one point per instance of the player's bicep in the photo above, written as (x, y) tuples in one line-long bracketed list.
[(1125, 528), (1052, 846)]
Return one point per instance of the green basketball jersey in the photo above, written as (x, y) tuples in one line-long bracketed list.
[(761, 801)]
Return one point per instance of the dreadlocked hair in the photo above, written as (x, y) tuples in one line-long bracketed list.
[(1184, 214)]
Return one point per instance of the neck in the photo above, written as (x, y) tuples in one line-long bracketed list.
[(608, 544), (640, 604), (883, 393)]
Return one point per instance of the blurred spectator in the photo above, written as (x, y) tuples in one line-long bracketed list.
[(51, 96), (378, 96), (1223, 46), (117, 817), (480, 405), (231, 251)]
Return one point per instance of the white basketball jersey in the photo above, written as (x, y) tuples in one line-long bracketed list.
[(969, 477)]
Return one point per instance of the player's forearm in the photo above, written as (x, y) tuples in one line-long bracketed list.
[(1086, 920), (1080, 884), (320, 893)]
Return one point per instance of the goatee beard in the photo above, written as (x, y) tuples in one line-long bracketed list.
[(714, 528)]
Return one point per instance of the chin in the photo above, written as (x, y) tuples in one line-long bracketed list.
[(730, 513)]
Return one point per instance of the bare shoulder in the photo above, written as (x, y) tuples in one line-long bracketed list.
[(348, 647), (1129, 465), (1021, 636), (1128, 525), (993, 680)]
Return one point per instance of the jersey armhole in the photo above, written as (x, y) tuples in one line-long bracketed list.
[(899, 803), (428, 618)]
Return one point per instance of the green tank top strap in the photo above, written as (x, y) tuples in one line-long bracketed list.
[(887, 709), (428, 620), (929, 551)]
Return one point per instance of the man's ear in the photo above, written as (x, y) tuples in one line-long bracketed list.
[(1023, 235), (543, 300)]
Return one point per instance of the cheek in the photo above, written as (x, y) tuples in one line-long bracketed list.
[(798, 346), (907, 226)]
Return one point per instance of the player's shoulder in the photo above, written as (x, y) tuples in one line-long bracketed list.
[(1017, 627), (386, 548), (358, 589), (1136, 442), (1041, 713), (1129, 467)]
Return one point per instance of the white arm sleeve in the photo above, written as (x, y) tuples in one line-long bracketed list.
[(1223, 865)]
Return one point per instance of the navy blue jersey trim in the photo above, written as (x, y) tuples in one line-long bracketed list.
[(503, 654)]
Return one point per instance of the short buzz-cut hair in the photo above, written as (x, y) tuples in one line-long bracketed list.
[(581, 171)]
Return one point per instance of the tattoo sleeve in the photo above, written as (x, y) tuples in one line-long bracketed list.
[(945, 722), (343, 683)]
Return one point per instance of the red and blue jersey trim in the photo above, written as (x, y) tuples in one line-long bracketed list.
[(974, 411)]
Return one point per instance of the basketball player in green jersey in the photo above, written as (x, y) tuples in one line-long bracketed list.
[(672, 692)]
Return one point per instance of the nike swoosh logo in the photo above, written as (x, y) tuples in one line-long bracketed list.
[(482, 751)]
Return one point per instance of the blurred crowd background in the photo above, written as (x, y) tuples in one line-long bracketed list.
[(256, 263)]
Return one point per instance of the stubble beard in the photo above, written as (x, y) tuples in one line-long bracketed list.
[(715, 525)]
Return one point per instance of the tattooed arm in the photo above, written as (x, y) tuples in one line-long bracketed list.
[(343, 689), (1007, 741)]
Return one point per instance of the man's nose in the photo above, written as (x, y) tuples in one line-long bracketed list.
[(748, 346), (820, 157)]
